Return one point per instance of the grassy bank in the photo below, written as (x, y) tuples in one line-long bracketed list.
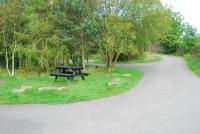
[(95, 86), (145, 59), (148, 59), (194, 64)]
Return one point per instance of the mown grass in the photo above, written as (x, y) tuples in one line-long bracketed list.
[(95, 86), (145, 59), (154, 58), (193, 63)]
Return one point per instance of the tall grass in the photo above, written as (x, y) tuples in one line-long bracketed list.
[(193, 63)]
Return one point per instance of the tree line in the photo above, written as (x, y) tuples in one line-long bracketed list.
[(40, 34)]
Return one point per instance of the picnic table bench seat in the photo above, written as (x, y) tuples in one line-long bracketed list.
[(69, 75)]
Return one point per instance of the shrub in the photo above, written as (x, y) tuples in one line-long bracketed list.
[(130, 53), (196, 52)]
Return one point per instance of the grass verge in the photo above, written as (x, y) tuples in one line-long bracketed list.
[(194, 64), (148, 58), (95, 86)]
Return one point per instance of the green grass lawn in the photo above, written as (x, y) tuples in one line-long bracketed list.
[(154, 58), (145, 59), (95, 86), (194, 64)]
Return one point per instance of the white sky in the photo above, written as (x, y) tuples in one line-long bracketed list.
[(190, 9)]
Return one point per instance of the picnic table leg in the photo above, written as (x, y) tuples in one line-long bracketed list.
[(59, 70), (70, 78), (56, 77), (82, 77)]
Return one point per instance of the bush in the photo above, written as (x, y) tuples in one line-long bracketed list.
[(196, 52), (170, 48), (130, 53)]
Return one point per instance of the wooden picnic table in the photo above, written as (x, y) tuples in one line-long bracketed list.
[(69, 72), (70, 68)]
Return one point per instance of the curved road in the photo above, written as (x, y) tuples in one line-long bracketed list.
[(166, 101)]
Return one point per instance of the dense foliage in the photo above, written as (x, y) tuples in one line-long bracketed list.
[(40, 34), (182, 38), (173, 39)]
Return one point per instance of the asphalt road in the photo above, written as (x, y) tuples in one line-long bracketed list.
[(166, 101)]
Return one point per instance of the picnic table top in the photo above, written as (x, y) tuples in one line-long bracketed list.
[(68, 67)]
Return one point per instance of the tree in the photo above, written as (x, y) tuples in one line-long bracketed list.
[(174, 37), (190, 38), (117, 33), (11, 26), (39, 34), (150, 20), (77, 25), (42, 47), (157, 24), (115, 30)]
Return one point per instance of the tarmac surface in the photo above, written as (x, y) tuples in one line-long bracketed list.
[(166, 101)]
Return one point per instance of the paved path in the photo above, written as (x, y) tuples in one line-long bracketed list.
[(167, 101)]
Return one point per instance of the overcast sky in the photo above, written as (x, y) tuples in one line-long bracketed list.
[(190, 9)]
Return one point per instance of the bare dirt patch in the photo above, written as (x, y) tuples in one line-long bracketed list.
[(1, 81)]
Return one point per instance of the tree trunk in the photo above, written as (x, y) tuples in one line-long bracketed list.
[(113, 61), (7, 62), (83, 58), (82, 51), (149, 48), (14, 49), (109, 62), (87, 59), (6, 55), (13, 63), (13, 58)]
